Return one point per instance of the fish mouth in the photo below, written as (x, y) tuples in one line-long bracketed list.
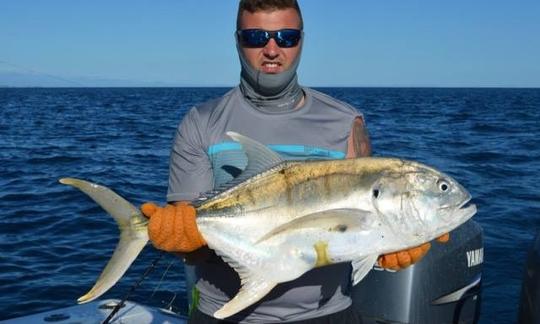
[(466, 212), (455, 217), (460, 213), (463, 213), (464, 206), (457, 206)]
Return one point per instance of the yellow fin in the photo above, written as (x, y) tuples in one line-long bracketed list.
[(321, 248)]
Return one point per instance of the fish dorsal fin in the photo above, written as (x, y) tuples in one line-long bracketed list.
[(361, 267), (259, 157), (339, 220)]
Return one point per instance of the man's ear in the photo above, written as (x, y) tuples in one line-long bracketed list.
[(358, 144)]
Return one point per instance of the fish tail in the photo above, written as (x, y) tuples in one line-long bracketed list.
[(133, 234)]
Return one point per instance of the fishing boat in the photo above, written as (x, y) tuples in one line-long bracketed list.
[(529, 306), (99, 311)]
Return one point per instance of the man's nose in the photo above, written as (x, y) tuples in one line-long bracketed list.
[(271, 49)]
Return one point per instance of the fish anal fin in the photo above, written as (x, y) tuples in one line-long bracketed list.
[(361, 267), (253, 289), (333, 220)]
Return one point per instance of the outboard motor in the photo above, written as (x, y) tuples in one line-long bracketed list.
[(444, 287), (529, 308)]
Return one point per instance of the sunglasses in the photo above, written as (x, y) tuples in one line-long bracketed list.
[(257, 38)]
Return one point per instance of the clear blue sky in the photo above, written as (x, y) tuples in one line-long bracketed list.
[(348, 43)]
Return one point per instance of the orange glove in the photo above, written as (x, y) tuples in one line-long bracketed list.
[(173, 228), (402, 259)]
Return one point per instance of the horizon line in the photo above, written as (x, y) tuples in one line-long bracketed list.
[(310, 86)]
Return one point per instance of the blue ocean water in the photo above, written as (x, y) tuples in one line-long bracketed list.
[(54, 241)]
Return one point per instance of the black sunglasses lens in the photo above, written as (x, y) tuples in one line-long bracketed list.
[(254, 37), (288, 37), (259, 38)]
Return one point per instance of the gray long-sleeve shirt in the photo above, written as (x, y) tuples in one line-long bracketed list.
[(203, 158)]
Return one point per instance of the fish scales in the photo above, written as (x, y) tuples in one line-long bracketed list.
[(294, 181)]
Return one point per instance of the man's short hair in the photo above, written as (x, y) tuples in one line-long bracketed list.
[(266, 5)]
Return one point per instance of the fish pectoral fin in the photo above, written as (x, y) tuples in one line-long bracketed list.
[(253, 289), (334, 220), (361, 267)]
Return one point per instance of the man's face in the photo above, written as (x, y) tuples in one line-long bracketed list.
[(271, 58)]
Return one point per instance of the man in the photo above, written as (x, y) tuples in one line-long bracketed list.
[(299, 123)]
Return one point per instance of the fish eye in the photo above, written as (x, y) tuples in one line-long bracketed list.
[(376, 193), (443, 185)]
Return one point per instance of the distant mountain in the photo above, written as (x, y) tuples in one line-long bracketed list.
[(18, 79), (23, 79)]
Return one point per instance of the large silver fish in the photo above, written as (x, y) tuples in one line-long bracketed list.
[(272, 226)]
